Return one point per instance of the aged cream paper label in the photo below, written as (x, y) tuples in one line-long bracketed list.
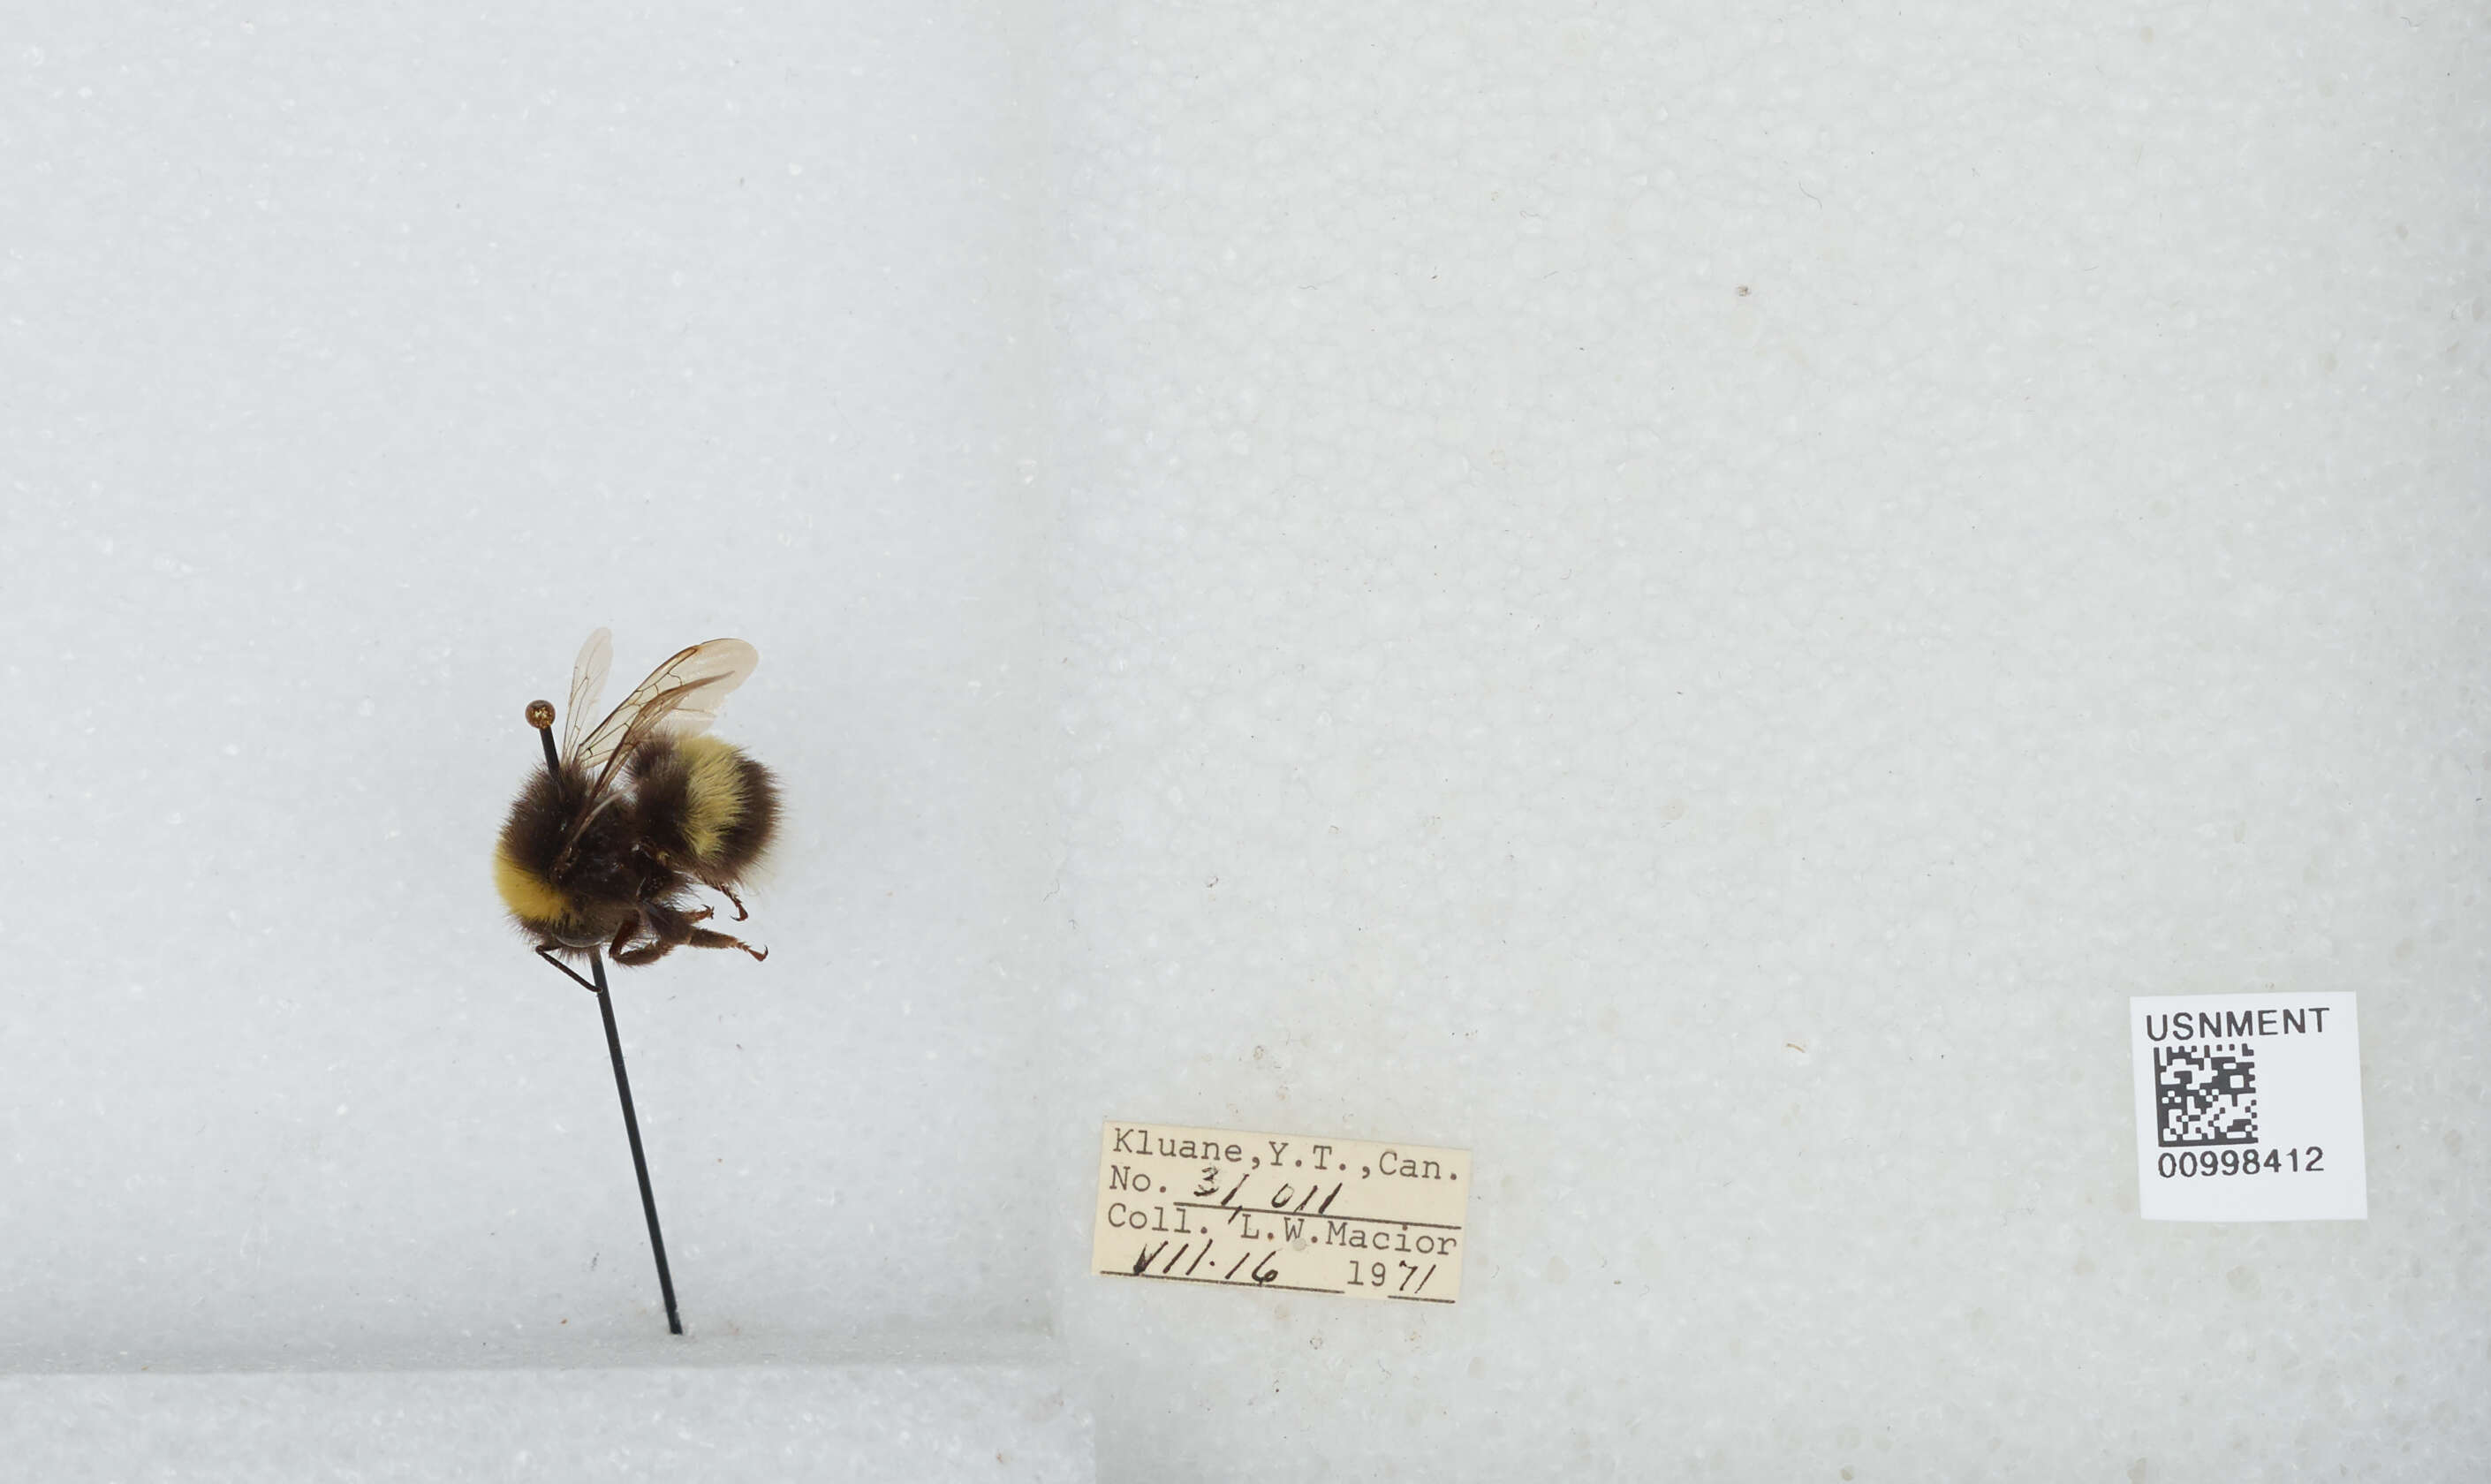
[(1310, 1215), (2248, 1108)]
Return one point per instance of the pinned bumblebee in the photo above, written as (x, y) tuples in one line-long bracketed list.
[(605, 847)]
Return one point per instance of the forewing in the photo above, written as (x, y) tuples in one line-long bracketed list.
[(681, 696), (587, 688)]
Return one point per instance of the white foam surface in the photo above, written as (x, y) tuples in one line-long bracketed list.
[(362, 364), (1690, 599), (1686, 601), (946, 1425)]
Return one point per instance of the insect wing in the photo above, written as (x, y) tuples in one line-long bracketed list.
[(587, 688), (681, 696), (703, 684)]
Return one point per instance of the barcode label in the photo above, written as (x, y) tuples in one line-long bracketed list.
[(2248, 1108), (2205, 1095)]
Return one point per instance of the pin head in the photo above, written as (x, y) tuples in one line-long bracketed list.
[(540, 714)]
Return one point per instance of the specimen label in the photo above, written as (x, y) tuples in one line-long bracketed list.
[(2248, 1108), (1309, 1215)]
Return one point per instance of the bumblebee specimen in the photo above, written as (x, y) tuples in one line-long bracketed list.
[(606, 843)]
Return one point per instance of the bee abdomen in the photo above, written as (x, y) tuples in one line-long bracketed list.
[(743, 844), (703, 800)]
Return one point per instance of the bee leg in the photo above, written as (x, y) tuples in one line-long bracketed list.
[(728, 893), (703, 937), (545, 951), (629, 929), (667, 927), (648, 952)]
